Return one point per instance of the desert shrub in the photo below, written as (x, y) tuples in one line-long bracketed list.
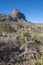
[(20, 26), (37, 61), (7, 27), (28, 36), (1, 34), (38, 36), (18, 63), (21, 38)]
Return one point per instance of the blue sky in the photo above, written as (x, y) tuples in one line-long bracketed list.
[(33, 9)]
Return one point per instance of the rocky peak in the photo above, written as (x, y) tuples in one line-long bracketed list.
[(14, 16), (17, 14)]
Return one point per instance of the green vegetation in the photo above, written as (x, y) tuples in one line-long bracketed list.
[(20, 26), (36, 61), (21, 38), (6, 28), (18, 64), (1, 34), (38, 36)]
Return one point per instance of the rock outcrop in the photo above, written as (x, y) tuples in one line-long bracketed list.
[(14, 16), (17, 14)]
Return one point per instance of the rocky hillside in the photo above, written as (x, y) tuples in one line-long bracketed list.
[(21, 42), (14, 16)]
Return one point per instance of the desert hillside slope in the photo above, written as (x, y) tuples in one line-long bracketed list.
[(21, 42)]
